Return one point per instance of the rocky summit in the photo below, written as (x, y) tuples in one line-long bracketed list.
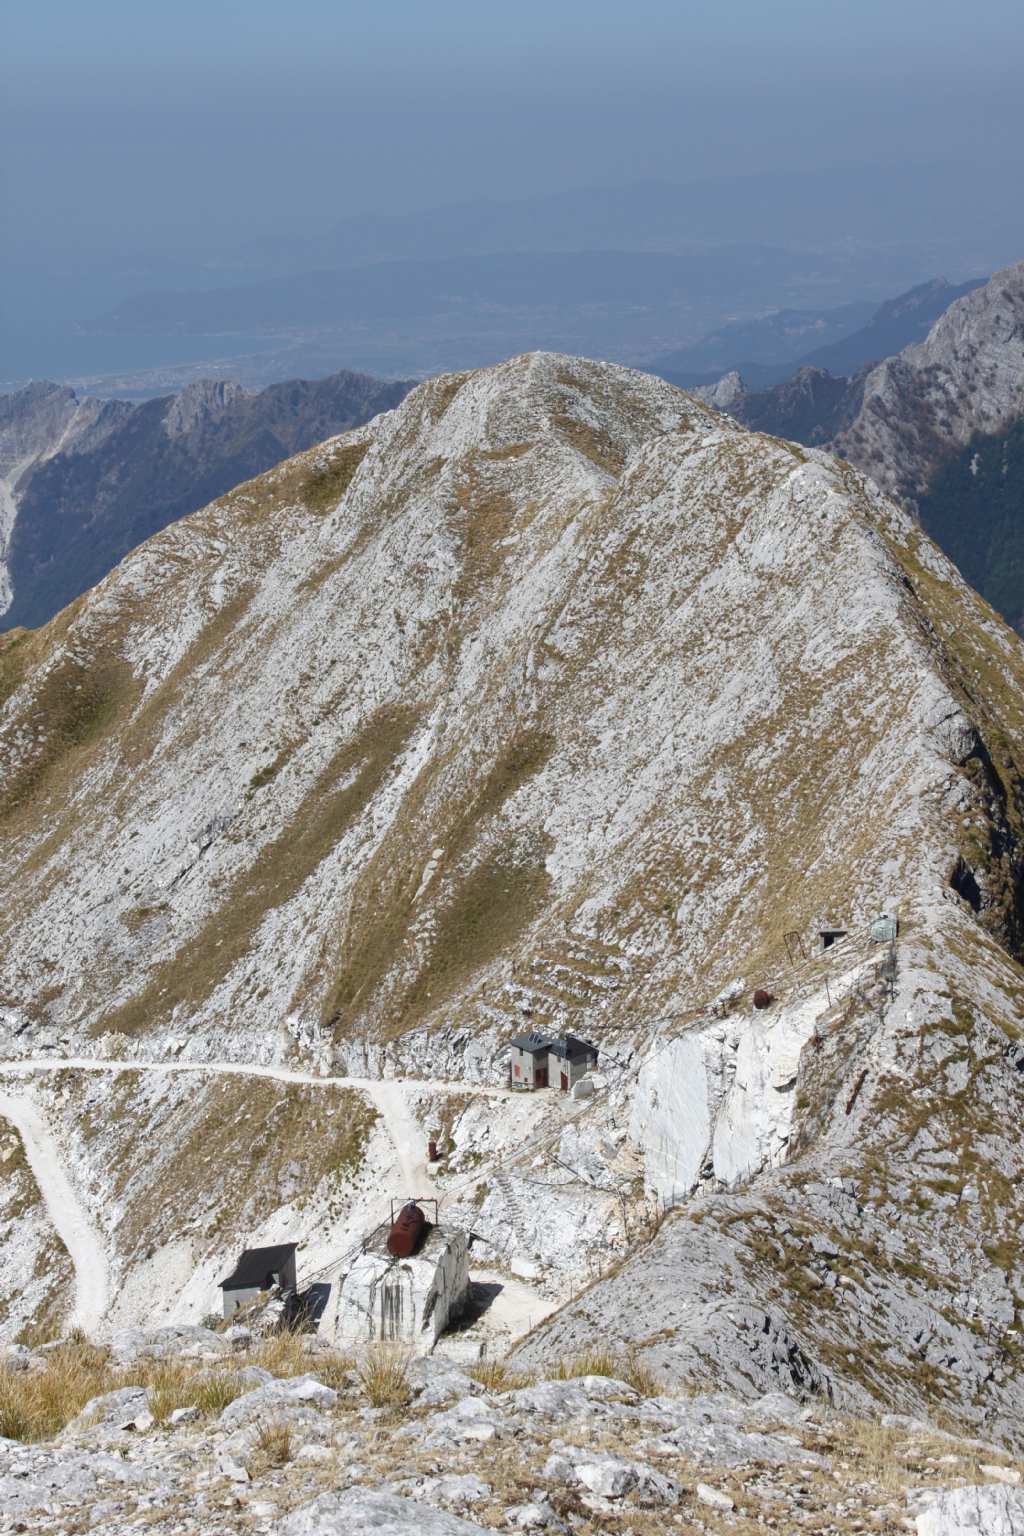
[(966, 377), (551, 703)]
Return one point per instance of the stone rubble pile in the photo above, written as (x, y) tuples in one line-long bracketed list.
[(587, 1454)]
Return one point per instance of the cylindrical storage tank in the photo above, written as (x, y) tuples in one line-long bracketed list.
[(763, 999), (407, 1232)]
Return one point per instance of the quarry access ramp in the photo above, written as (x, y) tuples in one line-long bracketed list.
[(72, 1223), (68, 1213), (25, 1065)]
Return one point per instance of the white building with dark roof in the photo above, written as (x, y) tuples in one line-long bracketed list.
[(540, 1061)]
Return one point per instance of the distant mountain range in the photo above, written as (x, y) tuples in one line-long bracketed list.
[(83, 481), (771, 349)]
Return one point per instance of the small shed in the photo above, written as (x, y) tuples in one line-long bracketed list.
[(885, 928), (528, 1060), (830, 936), (570, 1058), (259, 1270)]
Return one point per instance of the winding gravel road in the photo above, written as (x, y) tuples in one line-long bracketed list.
[(73, 1223), (70, 1219)]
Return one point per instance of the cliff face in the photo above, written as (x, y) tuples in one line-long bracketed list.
[(35, 423), (965, 378), (84, 481), (810, 408), (550, 697)]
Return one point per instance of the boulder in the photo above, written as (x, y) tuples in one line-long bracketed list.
[(452, 1488), (435, 1381), (126, 1409), (535, 1516), (471, 1418), (16, 1357), (38, 1477), (357, 1512), (267, 1401), (556, 1399), (986, 1510), (180, 1341), (714, 1498), (611, 1478)]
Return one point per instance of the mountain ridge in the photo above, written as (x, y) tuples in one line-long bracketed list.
[(924, 423), (551, 696)]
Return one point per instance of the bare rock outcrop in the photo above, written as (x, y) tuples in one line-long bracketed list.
[(965, 378)]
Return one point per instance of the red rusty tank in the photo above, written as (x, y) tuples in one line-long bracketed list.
[(406, 1234), (763, 999)]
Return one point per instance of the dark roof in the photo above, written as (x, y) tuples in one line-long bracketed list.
[(256, 1266), (569, 1048), (533, 1042), (572, 1048)]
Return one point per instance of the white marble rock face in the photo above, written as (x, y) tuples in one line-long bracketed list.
[(403, 1301)]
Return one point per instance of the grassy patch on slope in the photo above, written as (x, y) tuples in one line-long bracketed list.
[(342, 793)]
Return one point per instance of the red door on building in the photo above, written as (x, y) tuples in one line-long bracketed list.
[(540, 1077), (565, 1082)]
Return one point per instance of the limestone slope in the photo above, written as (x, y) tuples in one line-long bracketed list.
[(548, 656), (82, 480), (550, 697)]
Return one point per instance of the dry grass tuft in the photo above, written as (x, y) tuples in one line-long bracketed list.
[(640, 1376), (282, 1354), (169, 1388), (175, 1384), (15, 1416), (211, 1391), (273, 1448), (333, 1370), (383, 1375), (629, 1368), (590, 1362), (500, 1376), (36, 1405)]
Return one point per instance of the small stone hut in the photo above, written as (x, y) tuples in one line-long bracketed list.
[(258, 1270), (528, 1060), (538, 1061)]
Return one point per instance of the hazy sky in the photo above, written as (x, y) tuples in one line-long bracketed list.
[(471, 52), (201, 124)]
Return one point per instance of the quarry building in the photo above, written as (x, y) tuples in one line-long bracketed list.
[(539, 1061)]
